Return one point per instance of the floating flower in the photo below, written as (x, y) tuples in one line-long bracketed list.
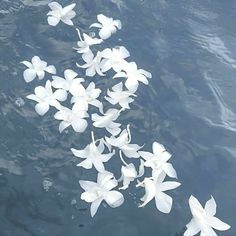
[(45, 98), (37, 67), (119, 96), (92, 63), (123, 143), (129, 173), (96, 192), (85, 42), (107, 121), (88, 95), (74, 117), (133, 75), (69, 83), (107, 26), (114, 58), (204, 219), (155, 188), (158, 161), (59, 13), (93, 155)]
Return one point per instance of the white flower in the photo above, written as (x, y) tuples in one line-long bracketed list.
[(158, 161), (59, 13), (85, 42), (46, 98), (123, 143), (114, 58), (107, 26), (129, 173), (118, 95), (96, 192), (74, 117), (107, 121), (37, 67), (88, 95), (92, 63), (155, 189), (69, 83), (133, 75), (93, 155), (204, 219)]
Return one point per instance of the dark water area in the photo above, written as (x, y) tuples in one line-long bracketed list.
[(189, 106)]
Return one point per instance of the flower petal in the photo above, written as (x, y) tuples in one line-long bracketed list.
[(105, 33), (79, 125), (60, 95), (194, 203), (192, 228), (55, 6), (94, 206), (53, 21), (63, 125), (168, 185), (114, 199), (29, 75), (87, 185), (163, 202), (210, 207), (40, 74), (217, 223), (42, 108), (27, 63), (70, 74), (157, 148), (170, 171), (51, 69), (87, 164)]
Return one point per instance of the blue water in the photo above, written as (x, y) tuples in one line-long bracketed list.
[(190, 107)]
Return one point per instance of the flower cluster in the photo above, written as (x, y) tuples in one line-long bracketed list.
[(118, 141)]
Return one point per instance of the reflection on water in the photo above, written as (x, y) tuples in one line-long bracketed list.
[(190, 107)]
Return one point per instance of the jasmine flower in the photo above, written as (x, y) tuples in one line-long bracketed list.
[(74, 117), (37, 67), (204, 219), (93, 155), (107, 26), (45, 98), (96, 192), (158, 161), (59, 13)]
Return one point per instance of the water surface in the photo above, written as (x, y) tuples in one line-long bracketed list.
[(190, 107)]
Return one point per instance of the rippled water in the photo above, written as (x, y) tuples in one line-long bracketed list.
[(190, 107)]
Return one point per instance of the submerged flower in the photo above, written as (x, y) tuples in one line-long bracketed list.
[(69, 82), (133, 75), (92, 65), (107, 121), (85, 42), (123, 143), (158, 161), (45, 98), (88, 95), (74, 117), (107, 26), (120, 96), (129, 173), (93, 155), (155, 189), (114, 58), (37, 67), (96, 192), (59, 13), (204, 219)]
